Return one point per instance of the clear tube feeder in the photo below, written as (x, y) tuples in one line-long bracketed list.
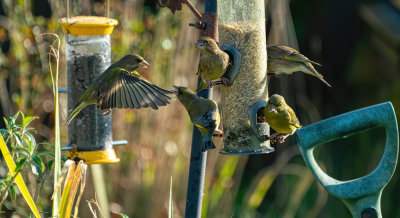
[(242, 25), (88, 53)]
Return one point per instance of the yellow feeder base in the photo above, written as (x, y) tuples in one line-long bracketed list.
[(94, 157), (88, 25)]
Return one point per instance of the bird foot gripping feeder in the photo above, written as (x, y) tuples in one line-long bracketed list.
[(242, 26), (88, 53), (362, 195)]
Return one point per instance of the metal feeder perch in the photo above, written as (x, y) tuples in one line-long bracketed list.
[(242, 25), (88, 53), (362, 195)]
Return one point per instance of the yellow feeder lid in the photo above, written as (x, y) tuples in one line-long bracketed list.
[(94, 157), (88, 25)]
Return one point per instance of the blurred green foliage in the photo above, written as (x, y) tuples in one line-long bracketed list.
[(19, 138)]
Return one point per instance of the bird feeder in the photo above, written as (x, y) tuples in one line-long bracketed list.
[(242, 25), (88, 53)]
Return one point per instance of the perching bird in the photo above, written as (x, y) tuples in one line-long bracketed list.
[(213, 62), (203, 113), (283, 59), (281, 118), (120, 86)]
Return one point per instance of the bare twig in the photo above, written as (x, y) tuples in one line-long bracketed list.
[(176, 5), (193, 9), (94, 201)]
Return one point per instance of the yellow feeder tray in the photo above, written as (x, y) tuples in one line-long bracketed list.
[(88, 25), (94, 157)]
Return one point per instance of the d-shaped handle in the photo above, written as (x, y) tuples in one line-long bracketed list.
[(341, 126)]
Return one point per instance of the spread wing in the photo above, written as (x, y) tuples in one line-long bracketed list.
[(127, 90), (287, 53)]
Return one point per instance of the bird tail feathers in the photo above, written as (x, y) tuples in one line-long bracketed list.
[(207, 143), (75, 111), (316, 63), (312, 71)]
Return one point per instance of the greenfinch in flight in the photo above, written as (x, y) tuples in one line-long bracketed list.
[(120, 86), (281, 118), (203, 113), (283, 59), (213, 63)]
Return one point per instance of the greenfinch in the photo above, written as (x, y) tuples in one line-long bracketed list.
[(213, 63), (281, 118), (283, 59), (203, 113), (120, 86)]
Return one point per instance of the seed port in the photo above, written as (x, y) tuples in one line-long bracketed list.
[(235, 59), (257, 120)]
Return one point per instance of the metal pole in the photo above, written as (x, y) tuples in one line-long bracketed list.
[(197, 171), (198, 159)]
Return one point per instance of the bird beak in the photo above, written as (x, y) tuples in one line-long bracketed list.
[(144, 64), (175, 91), (272, 108), (198, 44)]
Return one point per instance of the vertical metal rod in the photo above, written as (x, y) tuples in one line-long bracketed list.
[(198, 159), (67, 10), (108, 8), (197, 171)]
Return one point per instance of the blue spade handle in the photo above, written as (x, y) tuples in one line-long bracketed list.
[(362, 195)]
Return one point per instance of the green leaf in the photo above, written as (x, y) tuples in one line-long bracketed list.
[(5, 121), (15, 117), (9, 123), (47, 144), (30, 129), (27, 120), (18, 139), (12, 192), (63, 159), (37, 172), (50, 165), (123, 215), (31, 145), (45, 154), (21, 213), (29, 138), (23, 151), (20, 164), (3, 132), (3, 184), (14, 127), (38, 161)]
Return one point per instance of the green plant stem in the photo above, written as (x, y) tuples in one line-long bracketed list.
[(37, 191)]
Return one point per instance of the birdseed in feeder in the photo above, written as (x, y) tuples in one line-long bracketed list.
[(248, 88)]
